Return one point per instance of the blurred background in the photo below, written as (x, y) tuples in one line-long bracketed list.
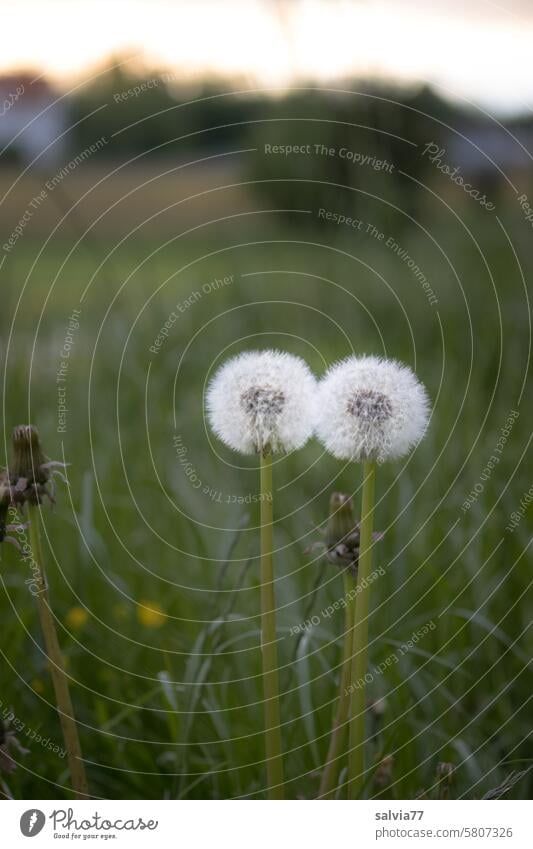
[(180, 181)]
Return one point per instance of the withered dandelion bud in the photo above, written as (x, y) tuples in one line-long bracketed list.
[(342, 535), (30, 473)]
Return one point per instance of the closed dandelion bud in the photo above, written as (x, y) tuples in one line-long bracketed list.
[(383, 773), (27, 454), (444, 777), (343, 534), (378, 708), (376, 712), (341, 521)]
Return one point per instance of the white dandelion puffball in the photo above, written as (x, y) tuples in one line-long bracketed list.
[(262, 401), (370, 408)]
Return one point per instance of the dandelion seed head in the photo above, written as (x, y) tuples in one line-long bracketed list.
[(262, 401), (370, 408)]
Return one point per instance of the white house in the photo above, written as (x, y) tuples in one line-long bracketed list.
[(32, 119)]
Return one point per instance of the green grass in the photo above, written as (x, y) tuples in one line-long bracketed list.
[(175, 711)]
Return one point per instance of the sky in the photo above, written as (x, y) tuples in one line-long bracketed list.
[(478, 50)]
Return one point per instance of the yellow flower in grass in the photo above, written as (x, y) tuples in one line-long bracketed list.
[(76, 618), (150, 614)]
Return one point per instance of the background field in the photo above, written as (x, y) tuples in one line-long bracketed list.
[(153, 558)]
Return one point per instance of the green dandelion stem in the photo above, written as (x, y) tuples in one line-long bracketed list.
[(56, 664), (356, 759), (269, 652), (328, 783)]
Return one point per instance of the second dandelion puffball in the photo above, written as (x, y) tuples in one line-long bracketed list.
[(262, 402), (370, 408)]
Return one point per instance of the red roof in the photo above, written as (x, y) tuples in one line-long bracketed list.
[(35, 86)]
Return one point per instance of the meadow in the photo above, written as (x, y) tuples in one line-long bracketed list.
[(153, 547)]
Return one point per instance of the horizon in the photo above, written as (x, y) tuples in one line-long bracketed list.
[(401, 44)]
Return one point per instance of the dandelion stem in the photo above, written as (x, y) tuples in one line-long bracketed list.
[(57, 667), (356, 760), (328, 783), (269, 652)]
